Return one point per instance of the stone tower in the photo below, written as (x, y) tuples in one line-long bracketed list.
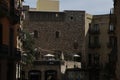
[(48, 5)]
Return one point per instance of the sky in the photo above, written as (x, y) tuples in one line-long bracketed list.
[(90, 6)]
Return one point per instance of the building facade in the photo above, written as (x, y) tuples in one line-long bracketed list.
[(117, 28), (9, 24), (102, 44), (91, 37), (48, 5), (59, 32)]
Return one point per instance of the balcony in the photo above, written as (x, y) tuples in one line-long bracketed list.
[(4, 49), (94, 45)]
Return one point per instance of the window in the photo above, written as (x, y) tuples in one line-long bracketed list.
[(96, 59), (96, 27), (113, 41), (89, 25), (50, 75), (71, 18), (89, 59), (96, 40), (93, 40), (93, 59), (111, 27), (1, 33), (34, 75), (75, 45), (35, 34), (56, 15), (57, 34)]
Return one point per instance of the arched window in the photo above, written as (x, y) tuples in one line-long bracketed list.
[(35, 34), (75, 44)]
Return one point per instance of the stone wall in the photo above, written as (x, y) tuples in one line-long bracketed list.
[(70, 26)]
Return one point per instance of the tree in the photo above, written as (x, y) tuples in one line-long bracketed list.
[(28, 47)]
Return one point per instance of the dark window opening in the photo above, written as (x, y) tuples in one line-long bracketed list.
[(1, 33), (75, 45), (57, 34), (96, 40), (89, 59), (71, 18), (89, 25), (50, 75), (96, 59), (96, 27), (35, 34), (90, 40), (113, 41), (34, 75), (93, 59)]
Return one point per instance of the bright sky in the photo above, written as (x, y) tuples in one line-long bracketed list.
[(90, 6)]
